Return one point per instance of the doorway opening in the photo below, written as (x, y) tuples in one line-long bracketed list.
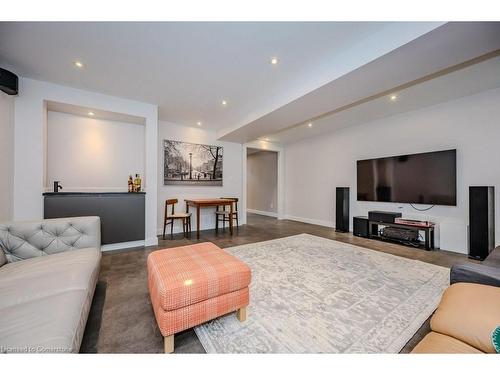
[(262, 182)]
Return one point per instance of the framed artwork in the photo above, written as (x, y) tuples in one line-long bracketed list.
[(192, 164)]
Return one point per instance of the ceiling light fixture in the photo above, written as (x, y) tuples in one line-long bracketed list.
[(394, 97), (78, 64), (266, 139), (310, 125), (274, 60), (198, 123), (224, 103), (91, 113)]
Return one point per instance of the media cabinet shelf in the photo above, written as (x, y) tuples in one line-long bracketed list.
[(415, 245), (428, 243)]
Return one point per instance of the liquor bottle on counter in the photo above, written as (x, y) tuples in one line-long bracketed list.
[(130, 184), (137, 183)]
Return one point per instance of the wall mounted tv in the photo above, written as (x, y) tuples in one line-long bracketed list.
[(426, 178)]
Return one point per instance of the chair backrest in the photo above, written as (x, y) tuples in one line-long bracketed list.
[(170, 202), (235, 201)]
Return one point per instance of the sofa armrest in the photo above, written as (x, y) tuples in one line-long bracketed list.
[(475, 273)]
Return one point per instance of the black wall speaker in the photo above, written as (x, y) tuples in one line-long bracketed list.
[(360, 226), (481, 221), (8, 82), (342, 209)]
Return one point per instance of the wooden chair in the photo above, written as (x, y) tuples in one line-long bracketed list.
[(169, 218), (223, 215)]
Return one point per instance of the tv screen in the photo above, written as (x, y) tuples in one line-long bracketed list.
[(427, 178)]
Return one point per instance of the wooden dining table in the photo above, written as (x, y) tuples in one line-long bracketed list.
[(209, 202)]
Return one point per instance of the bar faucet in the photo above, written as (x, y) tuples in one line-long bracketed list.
[(57, 186)]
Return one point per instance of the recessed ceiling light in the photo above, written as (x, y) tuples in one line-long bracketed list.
[(266, 139), (394, 97), (198, 123), (310, 125), (224, 102), (274, 60), (91, 113), (78, 64)]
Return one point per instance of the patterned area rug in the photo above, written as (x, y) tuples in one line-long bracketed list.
[(314, 295)]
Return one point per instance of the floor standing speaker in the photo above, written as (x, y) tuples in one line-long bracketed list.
[(481, 221), (342, 209)]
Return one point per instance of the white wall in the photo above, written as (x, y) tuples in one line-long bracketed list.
[(468, 124), (30, 133), (90, 154), (262, 181), (6, 155), (232, 175)]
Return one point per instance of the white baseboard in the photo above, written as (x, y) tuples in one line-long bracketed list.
[(151, 241), (122, 245), (324, 223), (265, 213)]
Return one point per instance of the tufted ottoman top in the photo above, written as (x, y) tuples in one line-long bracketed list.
[(185, 275)]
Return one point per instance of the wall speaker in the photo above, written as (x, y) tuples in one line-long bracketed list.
[(342, 209), (481, 221), (8, 82)]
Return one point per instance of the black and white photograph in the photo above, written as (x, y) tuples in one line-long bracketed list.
[(192, 164)]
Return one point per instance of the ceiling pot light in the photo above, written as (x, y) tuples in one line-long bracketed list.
[(310, 125), (394, 97), (91, 113), (78, 64), (224, 103), (274, 60), (266, 139), (198, 123)]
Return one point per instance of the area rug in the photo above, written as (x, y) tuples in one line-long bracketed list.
[(314, 295)]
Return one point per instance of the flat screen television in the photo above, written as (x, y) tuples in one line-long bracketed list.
[(426, 178)]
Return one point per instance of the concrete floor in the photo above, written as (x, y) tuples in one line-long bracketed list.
[(122, 320)]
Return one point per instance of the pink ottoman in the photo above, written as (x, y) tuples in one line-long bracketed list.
[(193, 284)]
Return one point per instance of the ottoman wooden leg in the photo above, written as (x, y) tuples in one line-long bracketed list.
[(169, 344), (242, 314)]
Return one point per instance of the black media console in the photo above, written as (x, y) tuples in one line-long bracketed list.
[(369, 227)]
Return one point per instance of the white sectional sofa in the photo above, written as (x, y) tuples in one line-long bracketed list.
[(48, 273)]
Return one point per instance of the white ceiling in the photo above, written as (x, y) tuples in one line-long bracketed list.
[(330, 72), (94, 113), (437, 52), (189, 68), (468, 81)]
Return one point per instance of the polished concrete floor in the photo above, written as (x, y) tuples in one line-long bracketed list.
[(121, 318)]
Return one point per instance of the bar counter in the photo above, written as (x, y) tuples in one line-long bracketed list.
[(122, 214)]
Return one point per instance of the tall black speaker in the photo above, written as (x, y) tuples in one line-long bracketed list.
[(481, 221), (342, 209)]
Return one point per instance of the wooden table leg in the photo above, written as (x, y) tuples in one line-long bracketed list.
[(188, 222), (231, 218), (198, 221)]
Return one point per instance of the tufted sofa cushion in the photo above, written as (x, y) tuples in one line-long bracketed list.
[(29, 239)]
